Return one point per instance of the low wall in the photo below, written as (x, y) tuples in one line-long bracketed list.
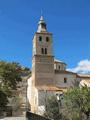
[(32, 116)]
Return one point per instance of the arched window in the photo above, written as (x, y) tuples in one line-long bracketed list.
[(42, 50), (40, 38), (45, 50), (47, 39)]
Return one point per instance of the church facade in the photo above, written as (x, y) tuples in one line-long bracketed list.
[(49, 76)]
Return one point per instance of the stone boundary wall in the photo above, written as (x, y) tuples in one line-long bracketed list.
[(32, 116)]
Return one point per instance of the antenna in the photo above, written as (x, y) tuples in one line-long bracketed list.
[(41, 12)]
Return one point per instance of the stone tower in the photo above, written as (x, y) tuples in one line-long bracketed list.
[(43, 59)]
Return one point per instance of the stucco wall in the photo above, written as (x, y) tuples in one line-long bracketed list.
[(59, 79)]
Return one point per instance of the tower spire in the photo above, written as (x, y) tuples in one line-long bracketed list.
[(41, 24)]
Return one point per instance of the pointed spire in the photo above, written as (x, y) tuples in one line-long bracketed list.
[(41, 18), (41, 25)]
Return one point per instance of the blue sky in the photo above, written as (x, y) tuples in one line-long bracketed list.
[(68, 20)]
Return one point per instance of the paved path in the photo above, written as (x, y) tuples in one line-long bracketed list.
[(13, 118)]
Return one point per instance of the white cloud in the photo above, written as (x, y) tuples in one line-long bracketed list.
[(82, 67)]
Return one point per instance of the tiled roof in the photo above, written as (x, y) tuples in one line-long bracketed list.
[(59, 61), (84, 75), (51, 88), (64, 71)]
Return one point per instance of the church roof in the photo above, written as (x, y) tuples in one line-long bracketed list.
[(64, 72), (59, 61), (51, 88), (84, 75)]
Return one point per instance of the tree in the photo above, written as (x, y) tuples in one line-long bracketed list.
[(78, 103), (3, 101), (10, 76), (52, 109)]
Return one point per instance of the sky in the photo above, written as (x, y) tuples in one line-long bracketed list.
[(68, 20)]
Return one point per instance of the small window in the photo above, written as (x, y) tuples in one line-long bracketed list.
[(47, 39), (65, 80), (45, 50), (42, 50), (43, 25), (40, 38), (59, 67)]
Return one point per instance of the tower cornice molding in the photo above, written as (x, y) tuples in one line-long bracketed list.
[(42, 56), (43, 33)]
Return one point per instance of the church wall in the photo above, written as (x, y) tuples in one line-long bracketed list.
[(59, 79), (31, 94), (44, 70)]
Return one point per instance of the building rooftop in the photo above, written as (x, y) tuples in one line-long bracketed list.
[(84, 75), (59, 61), (51, 88), (64, 72)]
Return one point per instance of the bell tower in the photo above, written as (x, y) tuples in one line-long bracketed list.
[(43, 59)]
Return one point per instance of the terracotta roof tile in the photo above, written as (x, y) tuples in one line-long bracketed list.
[(51, 88)]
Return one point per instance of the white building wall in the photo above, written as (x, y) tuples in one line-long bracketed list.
[(29, 89)]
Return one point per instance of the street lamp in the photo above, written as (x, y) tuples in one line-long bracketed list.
[(59, 99)]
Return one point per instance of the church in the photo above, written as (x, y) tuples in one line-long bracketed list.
[(49, 75)]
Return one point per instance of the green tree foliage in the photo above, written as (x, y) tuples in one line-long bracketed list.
[(78, 103), (3, 101), (52, 109), (11, 73)]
